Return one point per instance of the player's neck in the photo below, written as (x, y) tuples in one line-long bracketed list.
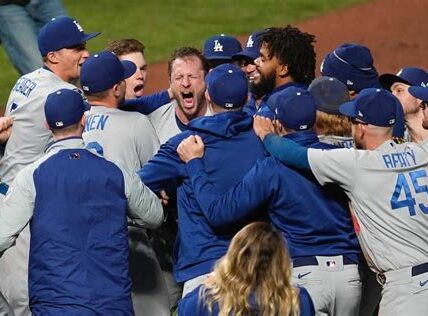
[(414, 125)]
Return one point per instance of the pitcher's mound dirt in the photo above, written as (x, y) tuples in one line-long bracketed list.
[(395, 31)]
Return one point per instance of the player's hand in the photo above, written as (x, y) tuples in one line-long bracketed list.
[(263, 126), (190, 148), (164, 198), (6, 123)]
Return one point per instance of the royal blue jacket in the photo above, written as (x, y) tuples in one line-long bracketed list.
[(192, 305), (314, 220), (146, 104), (80, 271), (231, 149)]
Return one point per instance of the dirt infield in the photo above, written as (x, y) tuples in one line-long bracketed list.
[(394, 30)]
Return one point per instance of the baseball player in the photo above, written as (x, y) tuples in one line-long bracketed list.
[(219, 49), (62, 45), (77, 202), (399, 86), (133, 50), (187, 68), (421, 94), (232, 149), (386, 184), (325, 256), (129, 139)]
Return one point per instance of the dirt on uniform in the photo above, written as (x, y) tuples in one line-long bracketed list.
[(395, 31)]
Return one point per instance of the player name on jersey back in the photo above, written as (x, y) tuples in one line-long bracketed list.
[(400, 159), (24, 86)]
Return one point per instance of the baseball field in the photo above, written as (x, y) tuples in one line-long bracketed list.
[(394, 30)]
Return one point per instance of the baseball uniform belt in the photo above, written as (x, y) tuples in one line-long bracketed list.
[(392, 276), (312, 261), (3, 188)]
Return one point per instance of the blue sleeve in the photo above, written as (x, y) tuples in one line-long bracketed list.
[(306, 305), (164, 167), (290, 153), (250, 107), (192, 305), (147, 103), (240, 201)]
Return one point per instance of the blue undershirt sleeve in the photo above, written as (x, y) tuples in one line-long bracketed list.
[(147, 103), (288, 152)]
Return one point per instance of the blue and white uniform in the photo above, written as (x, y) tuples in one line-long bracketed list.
[(232, 148), (78, 205)]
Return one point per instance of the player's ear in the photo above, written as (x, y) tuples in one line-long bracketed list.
[(83, 120), (52, 57), (282, 70)]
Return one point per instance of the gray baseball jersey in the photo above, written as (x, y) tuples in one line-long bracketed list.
[(388, 192), (29, 134), (127, 138), (165, 122)]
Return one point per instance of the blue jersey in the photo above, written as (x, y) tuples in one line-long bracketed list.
[(314, 220), (192, 305), (231, 148)]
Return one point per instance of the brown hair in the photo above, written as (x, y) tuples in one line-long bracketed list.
[(256, 265), (331, 124), (184, 52), (125, 46)]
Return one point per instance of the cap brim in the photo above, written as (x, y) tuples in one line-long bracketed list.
[(91, 35), (129, 67), (348, 109), (419, 93), (387, 80), (265, 111), (245, 54)]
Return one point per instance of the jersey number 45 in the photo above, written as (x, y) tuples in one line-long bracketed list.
[(402, 184)]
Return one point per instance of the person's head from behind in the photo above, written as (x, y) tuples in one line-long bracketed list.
[(400, 83), (62, 44), (132, 50), (353, 65), (373, 115), (329, 93), (187, 68), (286, 55), (64, 113), (256, 265), (219, 49), (291, 110), (103, 78), (227, 88)]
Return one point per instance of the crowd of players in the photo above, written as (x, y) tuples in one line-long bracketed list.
[(336, 165)]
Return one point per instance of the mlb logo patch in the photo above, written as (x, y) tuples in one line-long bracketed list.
[(331, 263)]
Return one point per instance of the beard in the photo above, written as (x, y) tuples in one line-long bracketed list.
[(264, 86)]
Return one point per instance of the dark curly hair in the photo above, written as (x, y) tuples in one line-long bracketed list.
[(293, 48), (184, 52)]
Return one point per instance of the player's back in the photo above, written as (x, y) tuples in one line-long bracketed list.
[(29, 134), (127, 138)]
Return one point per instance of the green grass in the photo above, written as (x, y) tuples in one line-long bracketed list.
[(166, 24)]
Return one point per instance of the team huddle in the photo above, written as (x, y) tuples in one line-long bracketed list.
[(248, 187)]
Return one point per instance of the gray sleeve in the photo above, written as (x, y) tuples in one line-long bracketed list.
[(17, 208), (146, 139), (336, 165), (144, 207)]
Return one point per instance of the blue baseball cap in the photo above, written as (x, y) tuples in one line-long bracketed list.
[(63, 108), (227, 86), (352, 64), (294, 107), (419, 92), (103, 70), (373, 106), (221, 47), (329, 93), (61, 33), (411, 76), (252, 47)]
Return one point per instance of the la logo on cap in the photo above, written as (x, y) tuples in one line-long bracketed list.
[(217, 46), (250, 41)]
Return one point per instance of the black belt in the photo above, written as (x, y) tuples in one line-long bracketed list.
[(312, 261), (3, 188), (420, 268)]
